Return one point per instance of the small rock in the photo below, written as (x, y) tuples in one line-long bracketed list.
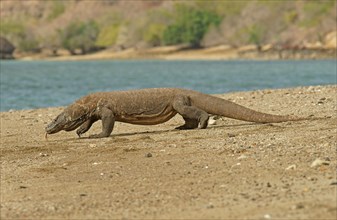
[(242, 157), (327, 159), (231, 135), (268, 184), (297, 206), (148, 155), (319, 162), (291, 167), (43, 155), (312, 178), (267, 216), (210, 206), (92, 145), (211, 121), (172, 145)]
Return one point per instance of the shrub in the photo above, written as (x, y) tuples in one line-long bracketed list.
[(190, 26), (256, 35), (12, 28), (57, 9), (154, 34), (28, 44), (79, 35), (107, 36)]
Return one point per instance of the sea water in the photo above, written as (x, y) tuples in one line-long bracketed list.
[(37, 84)]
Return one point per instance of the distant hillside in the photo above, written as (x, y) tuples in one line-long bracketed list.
[(83, 26)]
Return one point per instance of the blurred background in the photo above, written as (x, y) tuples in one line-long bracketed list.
[(83, 26)]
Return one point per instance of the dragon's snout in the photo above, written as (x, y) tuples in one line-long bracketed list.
[(64, 122), (56, 125)]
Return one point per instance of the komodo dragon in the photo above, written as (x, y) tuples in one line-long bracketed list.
[(151, 107)]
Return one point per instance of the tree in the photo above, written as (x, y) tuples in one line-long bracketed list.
[(79, 35), (190, 26)]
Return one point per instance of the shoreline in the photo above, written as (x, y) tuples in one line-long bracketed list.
[(219, 95), (222, 52)]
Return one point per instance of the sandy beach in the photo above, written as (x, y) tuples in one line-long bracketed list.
[(231, 170), (221, 52)]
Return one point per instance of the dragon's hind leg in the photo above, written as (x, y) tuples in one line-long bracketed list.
[(191, 114)]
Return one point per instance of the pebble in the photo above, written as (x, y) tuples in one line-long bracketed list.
[(231, 135), (211, 121), (321, 101), (242, 157), (43, 155), (210, 206), (148, 155), (172, 145), (267, 216), (297, 206), (92, 145), (291, 167), (319, 162)]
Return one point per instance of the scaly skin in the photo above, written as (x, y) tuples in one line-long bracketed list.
[(151, 107)]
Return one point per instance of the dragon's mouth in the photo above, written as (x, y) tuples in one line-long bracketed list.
[(63, 123), (73, 124)]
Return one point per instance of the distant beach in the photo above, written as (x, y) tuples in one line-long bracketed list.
[(222, 52)]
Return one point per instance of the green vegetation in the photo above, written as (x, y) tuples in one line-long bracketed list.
[(190, 26), (107, 36), (256, 34), (26, 41), (79, 35), (57, 9), (154, 34), (290, 17), (195, 23), (12, 28), (28, 44), (314, 11)]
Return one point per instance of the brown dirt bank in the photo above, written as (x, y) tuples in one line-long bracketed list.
[(232, 170)]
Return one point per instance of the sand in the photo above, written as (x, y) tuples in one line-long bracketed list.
[(231, 170), (221, 52)]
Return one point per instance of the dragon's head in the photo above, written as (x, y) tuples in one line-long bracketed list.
[(70, 119)]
